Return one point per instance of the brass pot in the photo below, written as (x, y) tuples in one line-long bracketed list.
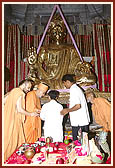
[(29, 153)]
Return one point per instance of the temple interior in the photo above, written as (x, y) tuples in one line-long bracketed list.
[(43, 42)]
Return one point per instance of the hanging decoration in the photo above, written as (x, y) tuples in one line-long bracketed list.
[(102, 49)]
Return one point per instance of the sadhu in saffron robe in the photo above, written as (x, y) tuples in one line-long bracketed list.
[(101, 109), (13, 123), (32, 125)]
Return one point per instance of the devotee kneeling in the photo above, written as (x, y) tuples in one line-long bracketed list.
[(50, 113)]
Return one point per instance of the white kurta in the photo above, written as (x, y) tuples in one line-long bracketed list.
[(50, 113), (79, 117)]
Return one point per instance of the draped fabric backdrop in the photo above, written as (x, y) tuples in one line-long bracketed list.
[(102, 50), (18, 69), (13, 57), (18, 44)]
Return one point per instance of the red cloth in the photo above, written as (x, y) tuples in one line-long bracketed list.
[(21, 159), (16, 159)]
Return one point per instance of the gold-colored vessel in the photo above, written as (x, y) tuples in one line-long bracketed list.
[(29, 153)]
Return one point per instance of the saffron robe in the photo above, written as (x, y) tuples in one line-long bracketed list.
[(101, 109), (32, 125), (13, 123)]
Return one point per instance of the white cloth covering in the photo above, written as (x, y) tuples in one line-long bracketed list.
[(81, 116), (50, 113)]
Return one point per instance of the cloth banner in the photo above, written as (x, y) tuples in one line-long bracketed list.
[(18, 69), (102, 50)]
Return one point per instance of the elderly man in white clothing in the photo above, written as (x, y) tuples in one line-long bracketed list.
[(78, 110), (50, 113)]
